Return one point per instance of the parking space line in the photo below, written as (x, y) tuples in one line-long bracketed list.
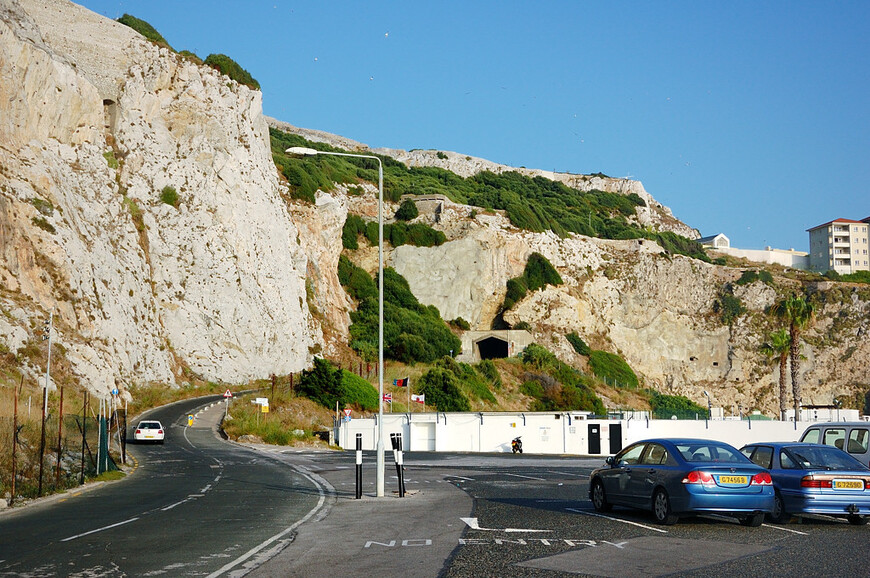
[(785, 529), (527, 477), (585, 513), (568, 474)]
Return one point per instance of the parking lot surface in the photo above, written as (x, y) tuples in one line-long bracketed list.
[(506, 515)]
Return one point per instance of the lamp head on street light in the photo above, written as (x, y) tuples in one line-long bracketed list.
[(707, 394), (301, 152)]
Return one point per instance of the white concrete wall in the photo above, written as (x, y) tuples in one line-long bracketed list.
[(550, 433), (793, 259)]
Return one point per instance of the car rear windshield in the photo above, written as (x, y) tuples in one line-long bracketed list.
[(823, 458), (149, 425), (695, 452)]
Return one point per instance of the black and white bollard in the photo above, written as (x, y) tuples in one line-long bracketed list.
[(400, 464), (358, 466)]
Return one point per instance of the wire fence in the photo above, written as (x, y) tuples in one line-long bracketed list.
[(36, 461)]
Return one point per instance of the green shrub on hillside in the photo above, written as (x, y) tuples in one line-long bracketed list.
[(328, 385), (229, 67), (354, 226), (441, 389), (169, 196), (751, 276), (664, 406), (613, 368), (578, 344), (407, 211), (539, 273), (569, 388), (728, 306), (460, 323), (144, 29), (857, 277), (487, 369), (412, 332), (397, 234)]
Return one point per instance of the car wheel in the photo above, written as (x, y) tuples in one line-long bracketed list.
[(857, 520), (662, 508), (599, 498), (778, 515), (752, 521)]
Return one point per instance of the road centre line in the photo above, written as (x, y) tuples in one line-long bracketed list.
[(100, 529), (527, 477), (785, 529), (170, 506), (585, 513)]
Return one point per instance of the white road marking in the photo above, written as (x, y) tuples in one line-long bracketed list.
[(100, 529), (460, 477), (585, 513), (785, 529), (229, 566), (475, 525), (169, 507), (527, 477), (569, 474)]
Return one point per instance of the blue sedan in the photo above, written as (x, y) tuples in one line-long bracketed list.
[(675, 477), (814, 479)]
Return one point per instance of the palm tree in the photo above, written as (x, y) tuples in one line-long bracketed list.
[(778, 346), (799, 314)]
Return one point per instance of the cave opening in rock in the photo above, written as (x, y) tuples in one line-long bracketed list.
[(492, 348)]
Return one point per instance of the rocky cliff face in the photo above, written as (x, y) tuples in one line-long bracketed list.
[(99, 126), (138, 199)]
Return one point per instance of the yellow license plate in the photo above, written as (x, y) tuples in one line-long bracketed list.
[(732, 479), (848, 485)]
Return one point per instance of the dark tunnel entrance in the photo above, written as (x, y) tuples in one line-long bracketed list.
[(492, 348)]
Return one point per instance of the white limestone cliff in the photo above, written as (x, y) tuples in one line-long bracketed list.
[(96, 127)]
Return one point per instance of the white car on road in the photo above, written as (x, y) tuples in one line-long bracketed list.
[(149, 431)]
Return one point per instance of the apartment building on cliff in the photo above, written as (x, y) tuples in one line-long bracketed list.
[(840, 245)]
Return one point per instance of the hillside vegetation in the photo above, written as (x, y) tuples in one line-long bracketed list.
[(534, 204)]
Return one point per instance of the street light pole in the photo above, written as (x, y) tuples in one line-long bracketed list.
[(305, 151)]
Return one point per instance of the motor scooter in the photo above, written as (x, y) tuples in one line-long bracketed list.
[(517, 445)]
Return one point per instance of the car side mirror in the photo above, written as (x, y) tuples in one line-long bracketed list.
[(609, 461)]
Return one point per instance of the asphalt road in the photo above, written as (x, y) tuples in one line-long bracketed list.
[(203, 506), (195, 505)]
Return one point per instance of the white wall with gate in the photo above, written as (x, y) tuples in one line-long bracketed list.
[(549, 432)]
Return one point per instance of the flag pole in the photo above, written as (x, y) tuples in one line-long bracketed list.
[(410, 409)]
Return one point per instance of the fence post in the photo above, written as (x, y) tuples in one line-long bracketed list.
[(84, 437), (14, 440), (59, 441), (42, 438)]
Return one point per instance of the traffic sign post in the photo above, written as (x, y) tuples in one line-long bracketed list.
[(228, 395)]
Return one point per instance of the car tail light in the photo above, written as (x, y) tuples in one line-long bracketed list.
[(762, 479), (810, 482), (160, 431), (698, 477), (138, 431)]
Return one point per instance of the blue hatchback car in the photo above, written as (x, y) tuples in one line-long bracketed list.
[(814, 479), (675, 477)]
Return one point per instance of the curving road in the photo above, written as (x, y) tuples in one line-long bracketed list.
[(194, 506)]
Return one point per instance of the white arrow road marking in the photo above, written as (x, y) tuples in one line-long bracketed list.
[(474, 525), (617, 520)]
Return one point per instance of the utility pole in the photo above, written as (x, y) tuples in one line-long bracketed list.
[(46, 335)]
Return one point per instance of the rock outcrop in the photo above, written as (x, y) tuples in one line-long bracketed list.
[(163, 239)]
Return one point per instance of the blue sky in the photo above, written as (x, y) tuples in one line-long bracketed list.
[(746, 118)]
